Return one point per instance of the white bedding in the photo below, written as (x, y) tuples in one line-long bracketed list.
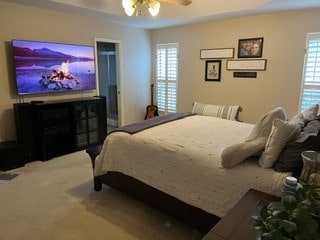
[(182, 159)]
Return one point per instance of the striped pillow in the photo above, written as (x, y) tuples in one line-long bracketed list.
[(225, 112)]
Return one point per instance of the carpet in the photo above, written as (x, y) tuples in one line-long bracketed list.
[(55, 200)]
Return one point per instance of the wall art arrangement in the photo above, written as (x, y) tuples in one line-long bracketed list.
[(245, 68)]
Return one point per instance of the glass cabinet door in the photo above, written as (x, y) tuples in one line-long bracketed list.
[(87, 123)]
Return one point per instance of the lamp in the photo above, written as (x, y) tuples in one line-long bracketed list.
[(130, 6)]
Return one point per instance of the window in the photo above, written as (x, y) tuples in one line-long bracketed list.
[(167, 77), (310, 90)]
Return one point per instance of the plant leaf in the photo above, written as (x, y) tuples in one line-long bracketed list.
[(308, 227), (302, 215), (289, 202), (289, 226), (276, 206), (280, 214), (264, 213), (273, 235)]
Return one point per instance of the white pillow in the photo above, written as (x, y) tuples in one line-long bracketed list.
[(256, 141), (311, 113), (308, 115), (225, 112), (237, 153), (282, 132), (263, 125)]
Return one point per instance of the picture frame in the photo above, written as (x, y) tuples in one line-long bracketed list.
[(216, 53), (254, 64), (213, 70), (245, 74), (250, 48)]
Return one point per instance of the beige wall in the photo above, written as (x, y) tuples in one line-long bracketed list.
[(19, 22), (284, 41)]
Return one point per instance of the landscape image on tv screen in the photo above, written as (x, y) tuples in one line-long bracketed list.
[(44, 67)]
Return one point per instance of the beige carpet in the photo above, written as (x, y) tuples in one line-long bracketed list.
[(55, 200)]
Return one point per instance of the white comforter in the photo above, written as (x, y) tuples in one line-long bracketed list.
[(182, 158)]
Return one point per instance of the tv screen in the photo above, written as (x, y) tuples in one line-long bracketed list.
[(44, 67)]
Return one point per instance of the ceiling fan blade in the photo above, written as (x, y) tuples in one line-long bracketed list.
[(181, 2)]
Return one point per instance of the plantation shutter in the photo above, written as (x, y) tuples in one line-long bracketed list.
[(310, 92), (167, 77)]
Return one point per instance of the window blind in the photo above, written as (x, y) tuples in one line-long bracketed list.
[(167, 77), (310, 91)]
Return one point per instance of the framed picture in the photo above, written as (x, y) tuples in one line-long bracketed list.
[(250, 48), (213, 70), (216, 53), (254, 64)]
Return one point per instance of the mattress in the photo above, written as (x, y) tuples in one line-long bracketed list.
[(183, 159)]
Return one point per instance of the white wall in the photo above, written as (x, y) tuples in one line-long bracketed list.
[(20, 22), (284, 42)]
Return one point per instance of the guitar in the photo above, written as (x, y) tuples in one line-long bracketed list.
[(152, 110)]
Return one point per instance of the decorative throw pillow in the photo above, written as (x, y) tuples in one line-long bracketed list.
[(290, 159), (311, 129), (225, 112), (262, 127), (255, 143), (311, 113), (198, 108), (299, 120), (282, 132), (235, 154)]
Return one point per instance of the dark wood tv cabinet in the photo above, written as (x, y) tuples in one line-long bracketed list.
[(53, 128), (237, 225)]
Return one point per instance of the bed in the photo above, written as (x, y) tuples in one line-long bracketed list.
[(176, 167)]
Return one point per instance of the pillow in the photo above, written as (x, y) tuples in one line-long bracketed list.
[(308, 115), (225, 112), (262, 127), (311, 113), (311, 129), (299, 120), (282, 132), (290, 159), (255, 143), (235, 154)]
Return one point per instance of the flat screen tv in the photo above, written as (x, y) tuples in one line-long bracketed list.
[(45, 67)]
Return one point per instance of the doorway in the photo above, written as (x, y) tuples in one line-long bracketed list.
[(107, 56)]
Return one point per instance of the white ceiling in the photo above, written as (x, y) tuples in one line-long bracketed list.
[(170, 14)]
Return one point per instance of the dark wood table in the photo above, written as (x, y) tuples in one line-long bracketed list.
[(237, 225)]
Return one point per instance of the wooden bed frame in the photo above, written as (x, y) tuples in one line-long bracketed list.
[(161, 201)]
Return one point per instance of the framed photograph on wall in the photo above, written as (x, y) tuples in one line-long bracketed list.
[(253, 64), (216, 53), (250, 48), (213, 70)]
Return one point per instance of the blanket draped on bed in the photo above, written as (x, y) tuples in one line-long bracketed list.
[(152, 122)]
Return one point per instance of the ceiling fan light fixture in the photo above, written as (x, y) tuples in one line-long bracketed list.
[(129, 6), (154, 7)]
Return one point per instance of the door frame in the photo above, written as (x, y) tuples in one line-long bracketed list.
[(118, 71)]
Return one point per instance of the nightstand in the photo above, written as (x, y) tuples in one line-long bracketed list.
[(237, 225)]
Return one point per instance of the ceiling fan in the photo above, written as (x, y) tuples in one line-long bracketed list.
[(131, 6)]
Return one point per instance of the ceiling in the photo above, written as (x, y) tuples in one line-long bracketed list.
[(170, 14)]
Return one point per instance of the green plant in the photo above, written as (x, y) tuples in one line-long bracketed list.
[(291, 219)]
